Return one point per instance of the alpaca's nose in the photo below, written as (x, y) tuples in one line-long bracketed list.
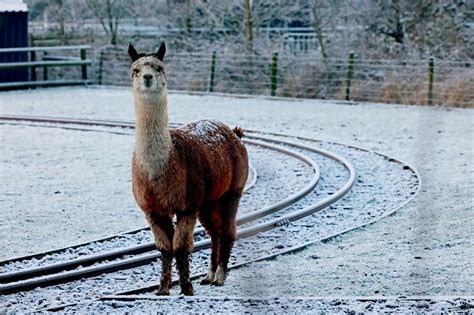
[(147, 77)]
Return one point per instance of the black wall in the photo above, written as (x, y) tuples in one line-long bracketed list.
[(13, 33)]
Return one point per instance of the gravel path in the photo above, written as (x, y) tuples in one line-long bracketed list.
[(281, 305), (360, 205), (426, 248)]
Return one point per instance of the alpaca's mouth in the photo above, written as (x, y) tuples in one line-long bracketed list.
[(148, 84)]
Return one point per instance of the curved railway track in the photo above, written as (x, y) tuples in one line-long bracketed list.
[(30, 278), (273, 216), (15, 281), (249, 185)]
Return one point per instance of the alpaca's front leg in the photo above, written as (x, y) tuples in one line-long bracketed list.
[(163, 231), (183, 243)]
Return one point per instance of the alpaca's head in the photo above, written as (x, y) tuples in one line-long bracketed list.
[(148, 73)]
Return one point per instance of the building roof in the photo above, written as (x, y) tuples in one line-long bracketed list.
[(13, 6)]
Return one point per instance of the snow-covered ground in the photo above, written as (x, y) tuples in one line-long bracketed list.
[(283, 305), (426, 248)]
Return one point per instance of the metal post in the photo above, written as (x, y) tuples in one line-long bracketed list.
[(430, 81), (350, 67), (84, 67), (213, 71), (273, 74)]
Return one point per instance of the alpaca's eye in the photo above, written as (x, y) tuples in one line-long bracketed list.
[(136, 71), (159, 68)]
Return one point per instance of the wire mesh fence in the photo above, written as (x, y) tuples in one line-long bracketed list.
[(422, 82)]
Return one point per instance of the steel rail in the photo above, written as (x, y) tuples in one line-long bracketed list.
[(369, 298), (142, 248), (89, 122), (112, 267), (248, 186), (247, 232)]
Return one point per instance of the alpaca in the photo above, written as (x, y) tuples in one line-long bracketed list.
[(197, 171)]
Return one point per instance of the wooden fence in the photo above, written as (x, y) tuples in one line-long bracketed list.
[(48, 59)]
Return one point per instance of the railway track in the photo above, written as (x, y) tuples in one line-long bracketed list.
[(29, 278), (251, 225), (138, 249)]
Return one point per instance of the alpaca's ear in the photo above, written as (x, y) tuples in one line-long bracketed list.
[(132, 52), (160, 53)]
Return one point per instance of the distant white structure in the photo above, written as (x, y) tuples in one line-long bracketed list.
[(300, 42), (13, 6)]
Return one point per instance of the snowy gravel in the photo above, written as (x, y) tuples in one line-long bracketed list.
[(390, 185), (281, 305), (383, 258)]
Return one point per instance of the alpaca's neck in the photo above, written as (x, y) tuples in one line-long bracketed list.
[(152, 136)]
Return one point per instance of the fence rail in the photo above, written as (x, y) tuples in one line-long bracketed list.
[(45, 61), (49, 48)]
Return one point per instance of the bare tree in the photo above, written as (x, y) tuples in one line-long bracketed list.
[(372, 28), (231, 21), (392, 13), (109, 13), (317, 24), (61, 19), (331, 20), (429, 27), (64, 18)]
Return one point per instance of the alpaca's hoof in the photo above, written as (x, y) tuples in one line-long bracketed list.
[(205, 281), (219, 277), (208, 278), (218, 283), (187, 289), (162, 291)]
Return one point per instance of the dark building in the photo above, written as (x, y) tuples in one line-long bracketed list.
[(13, 33)]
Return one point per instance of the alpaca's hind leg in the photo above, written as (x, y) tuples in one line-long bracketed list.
[(163, 231), (228, 205), (207, 216), (213, 264), (183, 243)]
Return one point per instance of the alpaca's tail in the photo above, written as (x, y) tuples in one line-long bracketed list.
[(238, 131)]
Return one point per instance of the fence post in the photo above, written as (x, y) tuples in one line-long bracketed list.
[(33, 68), (430, 81), (350, 67), (32, 57), (84, 67), (273, 74), (45, 69), (213, 71), (101, 64)]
